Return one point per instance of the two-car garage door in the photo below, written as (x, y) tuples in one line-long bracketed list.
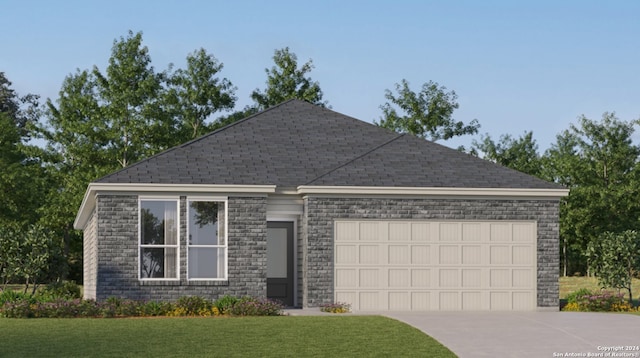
[(435, 265)]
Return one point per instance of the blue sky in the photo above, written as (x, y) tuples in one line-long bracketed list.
[(516, 66)]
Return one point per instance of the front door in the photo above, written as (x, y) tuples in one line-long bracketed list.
[(280, 261)]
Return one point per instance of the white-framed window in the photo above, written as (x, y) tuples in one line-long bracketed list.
[(159, 233), (206, 238)]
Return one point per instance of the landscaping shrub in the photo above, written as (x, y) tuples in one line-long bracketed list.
[(249, 306), (585, 300), (18, 305), (194, 306), (63, 289), (225, 303), (338, 307)]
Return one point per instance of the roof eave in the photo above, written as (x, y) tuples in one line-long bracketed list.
[(433, 191), (89, 200)]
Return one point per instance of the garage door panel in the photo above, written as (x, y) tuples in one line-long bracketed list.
[(449, 232), (449, 301), (421, 301), (420, 232), (369, 231), (471, 232), (420, 278), (471, 255), (471, 278), (522, 255), (369, 254), (449, 278), (430, 265), (346, 278), (420, 255), (369, 301), (449, 255), (399, 301), (398, 278), (500, 255), (346, 254), (500, 232), (398, 254), (346, 231), (369, 278), (472, 301)]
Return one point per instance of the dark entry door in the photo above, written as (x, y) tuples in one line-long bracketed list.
[(280, 261)]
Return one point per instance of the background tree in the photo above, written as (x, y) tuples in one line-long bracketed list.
[(196, 93), (287, 81), (614, 258), (103, 121), (22, 179), (427, 114), (598, 161), (520, 154)]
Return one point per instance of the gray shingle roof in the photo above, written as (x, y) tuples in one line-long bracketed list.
[(297, 143)]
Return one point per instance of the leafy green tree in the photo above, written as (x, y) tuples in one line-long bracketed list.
[(520, 154), (22, 179), (130, 97), (597, 160), (614, 258), (196, 93), (287, 81), (427, 114)]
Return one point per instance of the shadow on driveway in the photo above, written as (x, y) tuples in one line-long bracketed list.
[(530, 334)]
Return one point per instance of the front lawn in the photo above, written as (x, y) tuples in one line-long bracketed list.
[(294, 336)]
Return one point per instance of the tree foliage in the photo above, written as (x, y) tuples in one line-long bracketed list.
[(22, 179), (520, 154), (598, 161), (614, 258), (286, 80), (427, 114), (196, 93)]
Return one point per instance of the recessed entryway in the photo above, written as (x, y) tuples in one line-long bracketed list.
[(280, 262)]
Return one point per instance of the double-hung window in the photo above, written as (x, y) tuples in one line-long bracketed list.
[(207, 239), (159, 245)]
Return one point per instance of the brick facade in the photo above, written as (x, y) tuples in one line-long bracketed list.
[(320, 213), (116, 248), (111, 244)]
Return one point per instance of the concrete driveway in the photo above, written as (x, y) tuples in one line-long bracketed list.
[(530, 334)]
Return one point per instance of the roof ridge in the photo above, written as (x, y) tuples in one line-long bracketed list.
[(357, 157)]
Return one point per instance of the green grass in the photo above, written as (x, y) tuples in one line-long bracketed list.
[(570, 284), (288, 336)]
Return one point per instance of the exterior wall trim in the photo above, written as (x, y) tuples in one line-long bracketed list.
[(419, 191), (89, 200)]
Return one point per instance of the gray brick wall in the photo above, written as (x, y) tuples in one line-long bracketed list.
[(320, 213), (117, 252)]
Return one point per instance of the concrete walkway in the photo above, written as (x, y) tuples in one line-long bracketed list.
[(530, 334)]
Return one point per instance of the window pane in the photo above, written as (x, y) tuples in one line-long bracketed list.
[(158, 263), (158, 222), (206, 262), (276, 253), (203, 222)]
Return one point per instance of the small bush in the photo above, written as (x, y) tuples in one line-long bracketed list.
[(249, 306), (338, 307), (12, 296), (225, 303), (64, 289), (584, 300), (16, 305), (193, 306)]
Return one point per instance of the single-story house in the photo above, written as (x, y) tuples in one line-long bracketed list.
[(309, 206)]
